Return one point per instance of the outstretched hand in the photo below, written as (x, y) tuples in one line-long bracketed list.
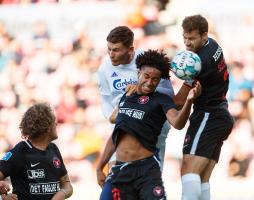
[(130, 89), (195, 91)]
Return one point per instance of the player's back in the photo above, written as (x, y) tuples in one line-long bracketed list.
[(213, 77)]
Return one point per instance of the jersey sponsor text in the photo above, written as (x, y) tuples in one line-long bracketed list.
[(120, 84), (44, 188), (34, 174), (137, 114), (217, 54)]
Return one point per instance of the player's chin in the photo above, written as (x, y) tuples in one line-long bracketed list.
[(146, 90), (189, 49), (54, 137), (115, 63)]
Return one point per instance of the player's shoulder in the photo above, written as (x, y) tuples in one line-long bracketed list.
[(213, 44), (208, 49), (161, 97), (52, 146), (19, 149), (212, 41), (159, 94), (138, 52), (22, 146), (105, 64)]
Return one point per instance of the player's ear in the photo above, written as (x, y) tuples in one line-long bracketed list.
[(205, 36), (131, 50)]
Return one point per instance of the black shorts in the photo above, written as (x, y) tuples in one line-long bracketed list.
[(137, 180), (206, 133)]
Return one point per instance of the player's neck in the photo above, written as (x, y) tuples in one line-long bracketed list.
[(40, 143), (130, 58)]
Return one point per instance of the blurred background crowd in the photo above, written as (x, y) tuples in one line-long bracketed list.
[(50, 51)]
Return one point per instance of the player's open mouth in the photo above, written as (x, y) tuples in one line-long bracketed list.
[(147, 89)]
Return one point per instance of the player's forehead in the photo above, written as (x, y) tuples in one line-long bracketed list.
[(151, 71), (191, 34), (118, 45)]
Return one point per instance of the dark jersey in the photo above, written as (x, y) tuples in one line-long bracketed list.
[(142, 116), (35, 174), (213, 77)]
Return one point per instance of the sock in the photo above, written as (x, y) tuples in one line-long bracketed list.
[(191, 187), (205, 191)]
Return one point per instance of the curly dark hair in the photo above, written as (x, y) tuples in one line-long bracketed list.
[(156, 59), (121, 34), (37, 120), (195, 22)]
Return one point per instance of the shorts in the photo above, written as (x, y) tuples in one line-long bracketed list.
[(206, 133), (161, 143), (106, 193), (136, 180)]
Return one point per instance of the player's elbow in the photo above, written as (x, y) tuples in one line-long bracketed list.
[(179, 103), (179, 127), (70, 192), (112, 119)]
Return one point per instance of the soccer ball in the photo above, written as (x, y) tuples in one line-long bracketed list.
[(186, 65)]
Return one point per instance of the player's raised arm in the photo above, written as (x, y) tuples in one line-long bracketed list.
[(179, 118)]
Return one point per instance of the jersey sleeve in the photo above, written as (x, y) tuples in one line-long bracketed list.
[(105, 93), (102, 81), (63, 168), (167, 103), (106, 106), (165, 87), (10, 162)]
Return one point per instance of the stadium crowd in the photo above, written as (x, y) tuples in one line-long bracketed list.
[(64, 74)]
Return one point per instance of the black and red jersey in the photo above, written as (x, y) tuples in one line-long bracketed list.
[(143, 117), (34, 174), (213, 77)]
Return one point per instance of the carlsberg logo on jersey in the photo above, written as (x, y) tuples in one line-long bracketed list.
[(120, 84)]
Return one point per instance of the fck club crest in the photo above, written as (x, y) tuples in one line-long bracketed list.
[(143, 99), (57, 162)]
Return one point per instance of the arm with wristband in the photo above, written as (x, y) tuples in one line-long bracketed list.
[(181, 96), (190, 83), (66, 189)]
